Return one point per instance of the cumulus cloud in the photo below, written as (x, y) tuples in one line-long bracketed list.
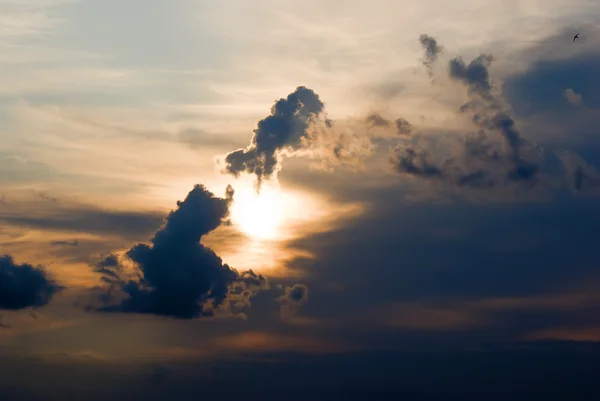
[(176, 275), (24, 286), (480, 160), (292, 299), (285, 129), (298, 127)]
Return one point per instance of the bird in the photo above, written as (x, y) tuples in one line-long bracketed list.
[(576, 37)]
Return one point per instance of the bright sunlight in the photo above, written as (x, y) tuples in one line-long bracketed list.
[(259, 216)]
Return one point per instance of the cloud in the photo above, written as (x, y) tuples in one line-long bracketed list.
[(65, 243), (581, 176), (286, 128), (541, 88), (573, 97), (479, 161), (66, 216), (402, 126), (293, 299), (176, 275), (432, 51), (24, 286), (377, 120)]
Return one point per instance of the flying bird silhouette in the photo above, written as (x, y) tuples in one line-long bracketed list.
[(576, 37)]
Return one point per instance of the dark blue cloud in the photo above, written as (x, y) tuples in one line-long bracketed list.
[(177, 276), (286, 127), (82, 218), (24, 286)]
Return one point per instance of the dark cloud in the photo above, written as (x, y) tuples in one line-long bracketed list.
[(292, 299), (407, 159), (536, 371), (475, 74), (63, 216), (285, 128), (23, 286), (403, 127), (65, 243), (432, 51), (176, 275), (377, 120)]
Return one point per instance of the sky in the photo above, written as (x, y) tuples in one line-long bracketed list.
[(312, 200)]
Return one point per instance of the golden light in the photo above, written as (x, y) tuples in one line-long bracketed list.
[(260, 216), (268, 221)]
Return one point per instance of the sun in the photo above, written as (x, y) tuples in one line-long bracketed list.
[(259, 216)]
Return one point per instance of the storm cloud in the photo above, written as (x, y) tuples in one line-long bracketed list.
[(176, 275), (285, 128), (24, 286)]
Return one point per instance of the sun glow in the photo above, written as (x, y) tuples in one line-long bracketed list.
[(260, 216), (268, 221)]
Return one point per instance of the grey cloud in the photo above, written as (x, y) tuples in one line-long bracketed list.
[(68, 217), (285, 128), (403, 127), (475, 74), (377, 120), (432, 51), (176, 275)]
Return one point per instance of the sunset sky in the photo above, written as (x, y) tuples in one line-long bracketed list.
[(267, 197)]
